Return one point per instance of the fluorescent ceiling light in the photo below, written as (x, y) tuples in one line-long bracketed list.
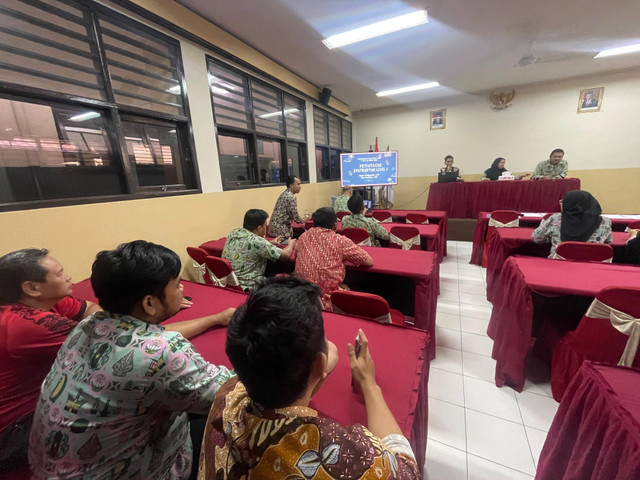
[(413, 88), (275, 114), (175, 90), (619, 51), (84, 116), (377, 29)]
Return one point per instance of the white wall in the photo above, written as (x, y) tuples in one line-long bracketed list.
[(541, 118)]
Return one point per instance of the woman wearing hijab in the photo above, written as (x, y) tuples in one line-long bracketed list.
[(578, 221), (497, 167)]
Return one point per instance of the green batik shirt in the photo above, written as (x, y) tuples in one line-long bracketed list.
[(114, 402), (248, 254), (545, 167), (371, 225), (340, 204)]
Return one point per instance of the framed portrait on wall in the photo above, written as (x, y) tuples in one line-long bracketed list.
[(590, 100), (438, 119)]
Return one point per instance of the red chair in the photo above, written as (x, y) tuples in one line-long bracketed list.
[(584, 252), (308, 224), (360, 236), (382, 216), (498, 219), (404, 237), (198, 256), (633, 225), (547, 215), (366, 305), (597, 339), (222, 275), (341, 215), (417, 218)]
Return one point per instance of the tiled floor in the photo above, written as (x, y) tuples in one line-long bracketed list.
[(478, 431)]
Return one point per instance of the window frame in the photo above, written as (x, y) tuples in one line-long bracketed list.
[(327, 148)]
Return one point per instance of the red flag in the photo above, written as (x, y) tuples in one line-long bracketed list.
[(376, 149)]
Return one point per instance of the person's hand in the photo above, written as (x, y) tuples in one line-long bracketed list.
[(362, 368), (186, 303), (277, 240), (484, 179), (224, 316), (633, 233), (547, 177)]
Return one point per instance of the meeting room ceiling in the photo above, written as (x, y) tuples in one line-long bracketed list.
[(468, 46)]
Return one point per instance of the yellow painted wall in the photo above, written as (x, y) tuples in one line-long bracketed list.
[(74, 234)]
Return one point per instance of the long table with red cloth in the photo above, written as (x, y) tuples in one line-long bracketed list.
[(468, 199), (513, 312), (402, 365), (517, 241), (618, 224), (596, 431), (430, 237)]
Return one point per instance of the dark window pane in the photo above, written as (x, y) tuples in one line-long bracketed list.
[(55, 152), (294, 112), (234, 161), (230, 94), (320, 126), (334, 131), (297, 161), (335, 164), (270, 161), (323, 168), (267, 108), (346, 135)]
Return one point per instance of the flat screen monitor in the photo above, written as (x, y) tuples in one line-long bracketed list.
[(369, 169)]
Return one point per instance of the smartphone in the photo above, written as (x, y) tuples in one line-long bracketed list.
[(284, 242), (357, 345), (186, 297)]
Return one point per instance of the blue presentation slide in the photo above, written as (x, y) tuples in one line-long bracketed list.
[(369, 169)]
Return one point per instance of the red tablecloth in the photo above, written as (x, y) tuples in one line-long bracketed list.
[(618, 224), (517, 241), (430, 237), (390, 266), (434, 216), (403, 378), (596, 432), (468, 199), (513, 311)]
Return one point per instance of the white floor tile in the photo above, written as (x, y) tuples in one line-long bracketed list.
[(478, 344), (485, 397), (447, 320), (449, 296), (537, 410), (478, 287), (448, 359), (498, 441), (536, 442), (449, 268), (445, 462), (447, 424), (481, 469), (448, 338), (479, 299), (476, 311), (479, 366), (448, 307), (446, 386), (474, 325), (448, 284)]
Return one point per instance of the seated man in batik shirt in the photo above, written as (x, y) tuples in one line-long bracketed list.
[(260, 424), (248, 251), (340, 204), (114, 403), (358, 220)]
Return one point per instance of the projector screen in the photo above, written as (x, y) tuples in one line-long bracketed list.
[(369, 169)]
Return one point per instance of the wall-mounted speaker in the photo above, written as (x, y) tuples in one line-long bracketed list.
[(325, 95)]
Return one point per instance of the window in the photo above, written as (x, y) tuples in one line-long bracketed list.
[(333, 137), (91, 107), (261, 129)]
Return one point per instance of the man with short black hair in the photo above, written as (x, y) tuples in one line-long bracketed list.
[(286, 210), (358, 220), (321, 253), (248, 251), (114, 402), (36, 314), (340, 204), (554, 168), (261, 426)]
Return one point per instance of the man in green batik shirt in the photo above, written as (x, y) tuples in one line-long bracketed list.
[(248, 251), (358, 220), (341, 202), (553, 169)]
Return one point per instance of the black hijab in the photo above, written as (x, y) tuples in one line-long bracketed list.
[(580, 216), (494, 172)]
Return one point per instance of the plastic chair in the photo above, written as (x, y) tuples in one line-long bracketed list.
[(382, 216), (366, 305), (635, 225), (597, 339), (404, 237), (308, 224), (341, 215), (222, 275), (498, 219), (584, 252), (198, 256), (359, 236), (417, 218)]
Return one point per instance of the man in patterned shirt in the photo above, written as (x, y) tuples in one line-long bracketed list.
[(321, 253), (358, 220), (553, 169), (341, 202), (248, 251), (286, 210), (114, 402), (262, 427)]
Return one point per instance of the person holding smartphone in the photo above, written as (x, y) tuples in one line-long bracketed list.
[(261, 425)]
